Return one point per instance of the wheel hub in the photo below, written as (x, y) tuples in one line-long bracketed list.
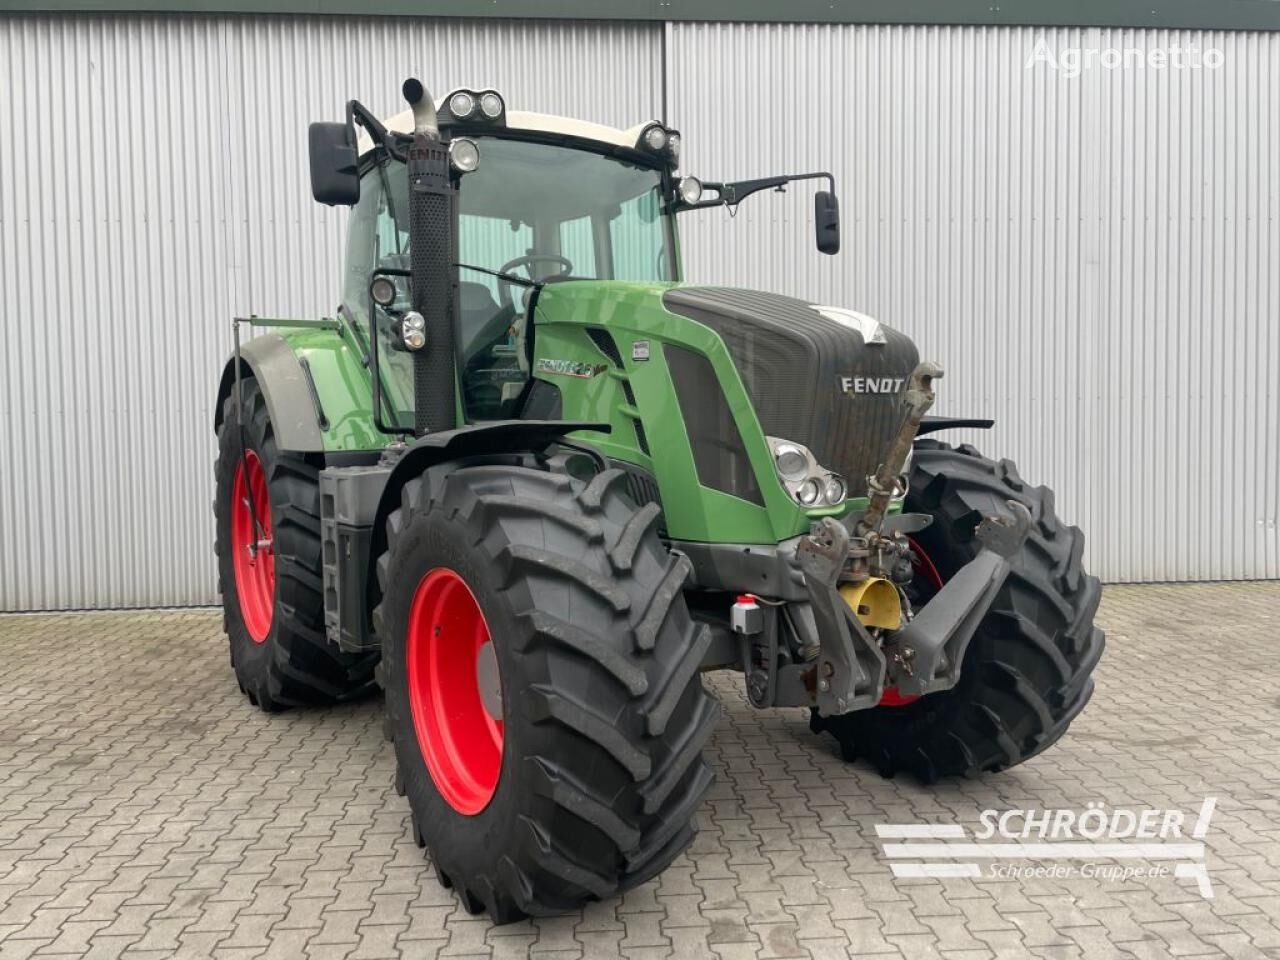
[(488, 680)]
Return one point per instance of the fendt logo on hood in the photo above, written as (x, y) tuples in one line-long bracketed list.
[(861, 385)]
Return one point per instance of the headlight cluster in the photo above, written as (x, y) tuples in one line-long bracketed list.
[(413, 330), (809, 482), (655, 138), (483, 106)]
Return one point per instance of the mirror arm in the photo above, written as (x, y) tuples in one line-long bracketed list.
[(731, 194), (358, 113)]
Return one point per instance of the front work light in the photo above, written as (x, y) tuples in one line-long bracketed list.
[(690, 189), (413, 330), (464, 155), (655, 138), (461, 104), (491, 105), (383, 291)]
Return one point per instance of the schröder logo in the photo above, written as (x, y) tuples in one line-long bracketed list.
[(1058, 844)]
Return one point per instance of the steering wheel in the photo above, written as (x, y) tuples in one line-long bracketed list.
[(526, 263)]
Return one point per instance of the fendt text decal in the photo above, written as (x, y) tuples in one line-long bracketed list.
[(858, 385)]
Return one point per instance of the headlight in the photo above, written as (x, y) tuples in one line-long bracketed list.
[(808, 492), (461, 104), (655, 138), (413, 330), (490, 105), (464, 155), (791, 460), (834, 489), (690, 189)]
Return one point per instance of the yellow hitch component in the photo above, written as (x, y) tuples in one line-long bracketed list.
[(875, 602)]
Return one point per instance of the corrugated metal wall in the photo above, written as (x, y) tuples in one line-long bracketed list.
[(1095, 259), (153, 182)]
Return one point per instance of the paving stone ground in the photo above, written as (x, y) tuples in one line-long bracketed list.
[(147, 811)]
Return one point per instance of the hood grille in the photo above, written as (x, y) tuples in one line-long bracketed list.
[(791, 360)]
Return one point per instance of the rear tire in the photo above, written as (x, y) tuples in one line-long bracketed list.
[(603, 714), (290, 662), (1027, 670)]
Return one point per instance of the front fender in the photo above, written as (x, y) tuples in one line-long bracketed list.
[(289, 394)]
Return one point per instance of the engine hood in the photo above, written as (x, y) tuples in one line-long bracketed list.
[(828, 378)]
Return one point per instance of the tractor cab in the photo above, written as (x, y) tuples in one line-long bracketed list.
[(535, 199), (540, 199)]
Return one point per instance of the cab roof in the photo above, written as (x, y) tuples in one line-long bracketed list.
[(538, 122)]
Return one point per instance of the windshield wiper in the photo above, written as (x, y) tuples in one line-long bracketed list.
[(509, 277)]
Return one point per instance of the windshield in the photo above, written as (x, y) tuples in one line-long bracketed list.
[(603, 216), (534, 210)]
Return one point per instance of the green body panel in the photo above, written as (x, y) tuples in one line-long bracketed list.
[(631, 312), (342, 384)]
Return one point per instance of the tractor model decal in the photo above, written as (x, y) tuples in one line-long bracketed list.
[(570, 368)]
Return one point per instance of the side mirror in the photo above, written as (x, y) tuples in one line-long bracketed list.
[(335, 170), (826, 221)]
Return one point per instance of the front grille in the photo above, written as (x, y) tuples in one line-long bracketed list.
[(718, 452), (791, 360)]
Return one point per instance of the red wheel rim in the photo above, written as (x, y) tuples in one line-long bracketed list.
[(890, 697), (253, 554), (455, 692)]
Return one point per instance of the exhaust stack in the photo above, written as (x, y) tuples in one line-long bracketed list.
[(424, 108), (433, 233)]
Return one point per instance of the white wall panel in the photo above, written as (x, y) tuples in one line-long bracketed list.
[(1095, 259), (153, 182)]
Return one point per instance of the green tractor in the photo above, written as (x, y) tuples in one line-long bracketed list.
[(532, 485)]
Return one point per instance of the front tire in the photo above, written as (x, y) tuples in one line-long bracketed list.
[(1027, 671), (581, 778), (273, 612)]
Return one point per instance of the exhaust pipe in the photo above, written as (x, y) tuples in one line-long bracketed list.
[(433, 231), (424, 108)]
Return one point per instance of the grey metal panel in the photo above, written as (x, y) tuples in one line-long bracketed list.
[(153, 183), (1096, 260), (1222, 14)]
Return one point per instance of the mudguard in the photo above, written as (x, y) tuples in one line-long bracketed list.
[(289, 394)]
